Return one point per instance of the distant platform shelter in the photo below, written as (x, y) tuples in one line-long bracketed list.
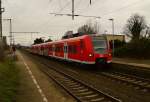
[(111, 37)]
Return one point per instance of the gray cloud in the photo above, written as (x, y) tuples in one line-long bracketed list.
[(33, 15)]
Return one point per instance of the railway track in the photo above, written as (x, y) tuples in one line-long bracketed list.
[(79, 90), (138, 83), (123, 95)]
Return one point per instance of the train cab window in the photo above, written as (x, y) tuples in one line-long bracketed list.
[(99, 45)]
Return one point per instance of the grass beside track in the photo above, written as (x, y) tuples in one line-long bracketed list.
[(9, 81)]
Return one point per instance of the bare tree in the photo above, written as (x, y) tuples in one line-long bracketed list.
[(38, 41), (49, 40), (89, 28), (134, 27)]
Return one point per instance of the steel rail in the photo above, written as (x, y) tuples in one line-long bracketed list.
[(138, 83)]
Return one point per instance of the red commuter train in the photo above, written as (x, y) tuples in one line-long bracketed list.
[(86, 49)]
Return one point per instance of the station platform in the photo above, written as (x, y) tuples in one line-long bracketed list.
[(132, 62), (35, 86)]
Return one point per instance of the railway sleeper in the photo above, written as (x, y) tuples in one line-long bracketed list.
[(83, 90), (89, 95), (93, 97), (97, 99), (78, 88), (85, 93), (73, 86), (70, 83), (143, 83), (148, 86)]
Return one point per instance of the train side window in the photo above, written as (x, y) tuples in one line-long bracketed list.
[(60, 49), (50, 48), (53, 48), (42, 48), (69, 48), (66, 49), (74, 49), (81, 44), (56, 49)]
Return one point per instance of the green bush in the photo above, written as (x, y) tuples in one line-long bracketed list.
[(135, 49), (119, 43), (2, 54)]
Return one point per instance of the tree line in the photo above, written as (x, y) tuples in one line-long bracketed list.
[(138, 31)]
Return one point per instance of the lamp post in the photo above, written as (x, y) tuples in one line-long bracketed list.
[(10, 31), (98, 25), (1, 36), (112, 20)]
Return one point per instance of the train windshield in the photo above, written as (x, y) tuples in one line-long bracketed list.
[(100, 45)]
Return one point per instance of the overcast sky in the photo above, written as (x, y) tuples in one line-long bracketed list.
[(33, 15)]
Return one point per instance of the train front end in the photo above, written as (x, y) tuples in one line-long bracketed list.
[(102, 51)]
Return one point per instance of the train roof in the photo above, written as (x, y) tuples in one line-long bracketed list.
[(74, 38), (62, 40)]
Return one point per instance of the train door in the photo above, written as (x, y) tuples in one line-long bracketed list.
[(65, 50)]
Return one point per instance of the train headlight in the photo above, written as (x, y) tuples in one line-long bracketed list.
[(90, 55), (109, 54)]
